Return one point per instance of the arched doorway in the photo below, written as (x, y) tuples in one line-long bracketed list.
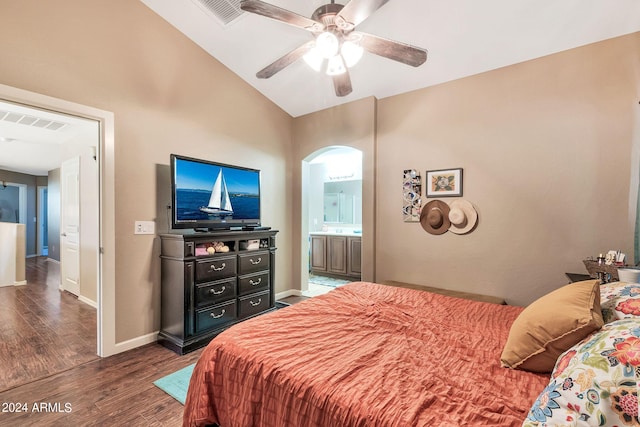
[(331, 219)]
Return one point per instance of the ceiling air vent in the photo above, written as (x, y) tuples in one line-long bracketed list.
[(27, 120), (224, 10)]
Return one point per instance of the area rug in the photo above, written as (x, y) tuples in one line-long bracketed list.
[(327, 281), (176, 384)]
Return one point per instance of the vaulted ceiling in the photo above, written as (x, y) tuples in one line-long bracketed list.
[(463, 37)]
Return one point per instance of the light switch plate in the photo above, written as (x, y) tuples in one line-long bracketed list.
[(145, 227)]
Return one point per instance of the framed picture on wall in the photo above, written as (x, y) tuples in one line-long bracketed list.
[(444, 183)]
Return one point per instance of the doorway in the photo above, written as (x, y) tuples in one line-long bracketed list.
[(332, 214), (105, 153), (36, 142)]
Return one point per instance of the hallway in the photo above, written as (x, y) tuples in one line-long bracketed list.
[(43, 331)]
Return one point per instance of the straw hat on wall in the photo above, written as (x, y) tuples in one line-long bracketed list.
[(463, 216)]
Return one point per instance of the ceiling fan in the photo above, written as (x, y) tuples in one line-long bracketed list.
[(336, 45)]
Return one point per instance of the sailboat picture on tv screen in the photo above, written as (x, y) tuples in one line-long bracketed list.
[(208, 192), (220, 201)]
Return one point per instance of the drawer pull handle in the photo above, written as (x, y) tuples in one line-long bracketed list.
[(255, 304), (214, 268), (214, 292), (255, 262), (255, 283), (219, 315)]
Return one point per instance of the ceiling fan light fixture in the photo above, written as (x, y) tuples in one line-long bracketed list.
[(327, 44), (351, 52), (314, 59), (336, 66)]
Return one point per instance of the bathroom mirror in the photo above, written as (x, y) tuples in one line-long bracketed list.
[(343, 202)]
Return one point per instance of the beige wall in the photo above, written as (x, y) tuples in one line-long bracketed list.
[(89, 222), (53, 214), (168, 96), (546, 149), (545, 146)]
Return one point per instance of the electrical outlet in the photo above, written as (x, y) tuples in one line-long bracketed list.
[(144, 227)]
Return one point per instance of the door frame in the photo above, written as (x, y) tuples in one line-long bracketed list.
[(106, 341), (304, 213), (41, 218)]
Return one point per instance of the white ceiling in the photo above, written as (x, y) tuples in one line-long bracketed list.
[(463, 37), (35, 141)]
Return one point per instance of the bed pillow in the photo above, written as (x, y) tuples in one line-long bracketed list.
[(594, 382), (619, 300), (551, 325)]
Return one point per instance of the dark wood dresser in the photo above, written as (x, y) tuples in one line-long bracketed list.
[(212, 280)]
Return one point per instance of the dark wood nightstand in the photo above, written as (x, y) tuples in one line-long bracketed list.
[(577, 277)]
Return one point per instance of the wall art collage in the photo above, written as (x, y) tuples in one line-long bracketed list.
[(437, 216)]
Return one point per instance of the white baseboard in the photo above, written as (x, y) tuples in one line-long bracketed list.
[(289, 293), (20, 283), (88, 301), (136, 342), (53, 260)]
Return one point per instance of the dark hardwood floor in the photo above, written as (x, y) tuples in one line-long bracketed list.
[(43, 331), (112, 391)]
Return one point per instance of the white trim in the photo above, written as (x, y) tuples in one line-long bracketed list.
[(20, 283), (32, 256), (106, 324), (88, 301), (22, 189), (289, 293), (53, 260), (40, 219), (136, 342)]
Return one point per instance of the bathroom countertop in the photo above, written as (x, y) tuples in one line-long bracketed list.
[(349, 233)]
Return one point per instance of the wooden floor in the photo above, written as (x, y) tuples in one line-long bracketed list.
[(43, 331), (113, 391)]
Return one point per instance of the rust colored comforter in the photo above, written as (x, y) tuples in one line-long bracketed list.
[(364, 355)]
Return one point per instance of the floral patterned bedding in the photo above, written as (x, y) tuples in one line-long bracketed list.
[(619, 300), (594, 382)]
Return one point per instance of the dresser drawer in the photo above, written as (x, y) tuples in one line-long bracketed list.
[(253, 283), (209, 270), (216, 316), (211, 293), (255, 261), (253, 304)]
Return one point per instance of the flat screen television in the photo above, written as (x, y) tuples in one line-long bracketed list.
[(210, 195)]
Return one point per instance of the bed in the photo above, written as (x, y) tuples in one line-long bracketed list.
[(372, 355), (365, 355)]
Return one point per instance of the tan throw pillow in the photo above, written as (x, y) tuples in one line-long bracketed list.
[(551, 325)]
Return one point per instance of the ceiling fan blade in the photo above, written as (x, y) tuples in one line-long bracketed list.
[(285, 61), (342, 84), (357, 11), (283, 15), (397, 51)]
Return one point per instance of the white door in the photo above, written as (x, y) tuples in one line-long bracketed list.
[(70, 225)]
